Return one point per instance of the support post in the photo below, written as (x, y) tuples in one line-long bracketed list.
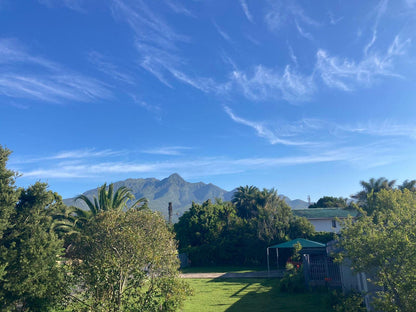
[(277, 258), (268, 264)]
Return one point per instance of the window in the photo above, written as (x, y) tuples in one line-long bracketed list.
[(334, 223)]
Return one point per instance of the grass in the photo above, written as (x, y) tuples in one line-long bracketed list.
[(240, 295), (223, 269)]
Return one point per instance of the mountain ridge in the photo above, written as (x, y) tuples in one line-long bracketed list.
[(176, 190)]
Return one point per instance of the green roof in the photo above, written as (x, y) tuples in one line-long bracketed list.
[(305, 243), (318, 213)]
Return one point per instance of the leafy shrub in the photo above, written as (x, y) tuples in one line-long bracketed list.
[(351, 302), (293, 281)]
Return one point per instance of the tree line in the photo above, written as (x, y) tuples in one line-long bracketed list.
[(238, 232)]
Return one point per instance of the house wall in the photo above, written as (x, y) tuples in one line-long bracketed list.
[(325, 225)]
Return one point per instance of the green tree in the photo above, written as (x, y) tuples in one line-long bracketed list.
[(366, 197), (109, 200), (8, 191), (330, 202), (245, 200), (383, 245), (8, 199), (129, 263), (274, 217), (223, 233), (409, 185), (300, 227), (34, 277), (202, 230)]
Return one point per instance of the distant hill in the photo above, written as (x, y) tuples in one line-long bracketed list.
[(176, 190)]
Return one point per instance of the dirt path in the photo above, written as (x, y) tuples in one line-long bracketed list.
[(259, 274)]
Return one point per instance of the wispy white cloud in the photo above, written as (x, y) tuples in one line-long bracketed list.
[(13, 52), (262, 130), (302, 32), (164, 65), (149, 27), (86, 153), (275, 17), (283, 14), (346, 74), (200, 83), (82, 154), (156, 42), (366, 156), (24, 75), (333, 20), (292, 55), (158, 61), (379, 12), (52, 87), (384, 128), (222, 33), (265, 83), (108, 68), (246, 10), (228, 60), (156, 109), (76, 5), (168, 150), (300, 14), (178, 8)]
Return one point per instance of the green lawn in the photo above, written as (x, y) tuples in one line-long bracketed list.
[(241, 295)]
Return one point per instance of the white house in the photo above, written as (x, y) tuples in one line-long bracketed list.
[(325, 219)]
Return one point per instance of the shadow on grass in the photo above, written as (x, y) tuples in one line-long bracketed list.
[(263, 295)]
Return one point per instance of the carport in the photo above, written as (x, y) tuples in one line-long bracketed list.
[(308, 247)]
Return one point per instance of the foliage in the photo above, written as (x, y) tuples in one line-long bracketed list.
[(8, 192), (110, 200), (323, 237), (128, 262), (245, 199), (120, 261), (223, 233), (8, 199), (201, 231), (351, 302), (409, 185), (366, 197), (382, 244), (330, 202), (300, 227), (293, 281), (34, 278)]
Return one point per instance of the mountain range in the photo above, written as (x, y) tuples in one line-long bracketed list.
[(176, 190)]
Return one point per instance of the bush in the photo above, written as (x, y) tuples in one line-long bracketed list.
[(293, 281), (351, 302)]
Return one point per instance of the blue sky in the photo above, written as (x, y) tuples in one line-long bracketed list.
[(309, 97)]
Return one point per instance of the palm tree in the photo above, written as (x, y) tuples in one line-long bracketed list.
[(409, 185), (366, 197), (70, 220), (245, 200), (109, 200)]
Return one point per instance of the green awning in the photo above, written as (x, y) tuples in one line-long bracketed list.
[(305, 243)]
